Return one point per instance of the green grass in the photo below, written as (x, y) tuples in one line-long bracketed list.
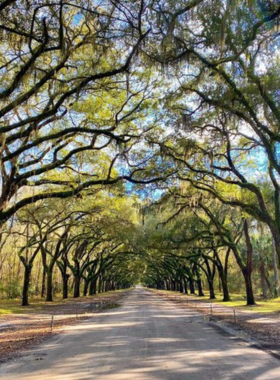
[(111, 306), (238, 301), (14, 306), (38, 304)]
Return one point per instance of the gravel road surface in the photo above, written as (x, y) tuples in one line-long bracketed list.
[(146, 338)]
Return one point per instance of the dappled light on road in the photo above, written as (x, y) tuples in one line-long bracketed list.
[(146, 338)]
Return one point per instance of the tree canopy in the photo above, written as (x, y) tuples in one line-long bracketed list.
[(140, 143)]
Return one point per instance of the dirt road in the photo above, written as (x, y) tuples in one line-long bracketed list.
[(146, 338)]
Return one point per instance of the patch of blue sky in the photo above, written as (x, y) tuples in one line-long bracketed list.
[(150, 193), (254, 165), (77, 18)]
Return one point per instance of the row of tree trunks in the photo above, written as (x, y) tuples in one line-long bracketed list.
[(91, 286)]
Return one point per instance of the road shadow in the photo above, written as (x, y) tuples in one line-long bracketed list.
[(146, 338)]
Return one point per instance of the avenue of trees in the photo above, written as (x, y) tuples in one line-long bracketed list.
[(139, 143)]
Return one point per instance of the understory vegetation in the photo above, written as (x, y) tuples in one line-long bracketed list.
[(139, 144)]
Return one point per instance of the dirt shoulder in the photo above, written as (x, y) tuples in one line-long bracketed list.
[(20, 332), (262, 328)]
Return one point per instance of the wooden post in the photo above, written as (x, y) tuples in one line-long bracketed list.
[(234, 316), (52, 320)]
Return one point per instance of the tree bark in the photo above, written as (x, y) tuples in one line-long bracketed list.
[(181, 286), (211, 289), (86, 284), (247, 272), (200, 290), (65, 279), (49, 297), (77, 282), (43, 288), (185, 285), (192, 288), (263, 282), (275, 270), (92, 287), (99, 285), (249, 288), (26, 283), (224, 284), (210, 275)]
